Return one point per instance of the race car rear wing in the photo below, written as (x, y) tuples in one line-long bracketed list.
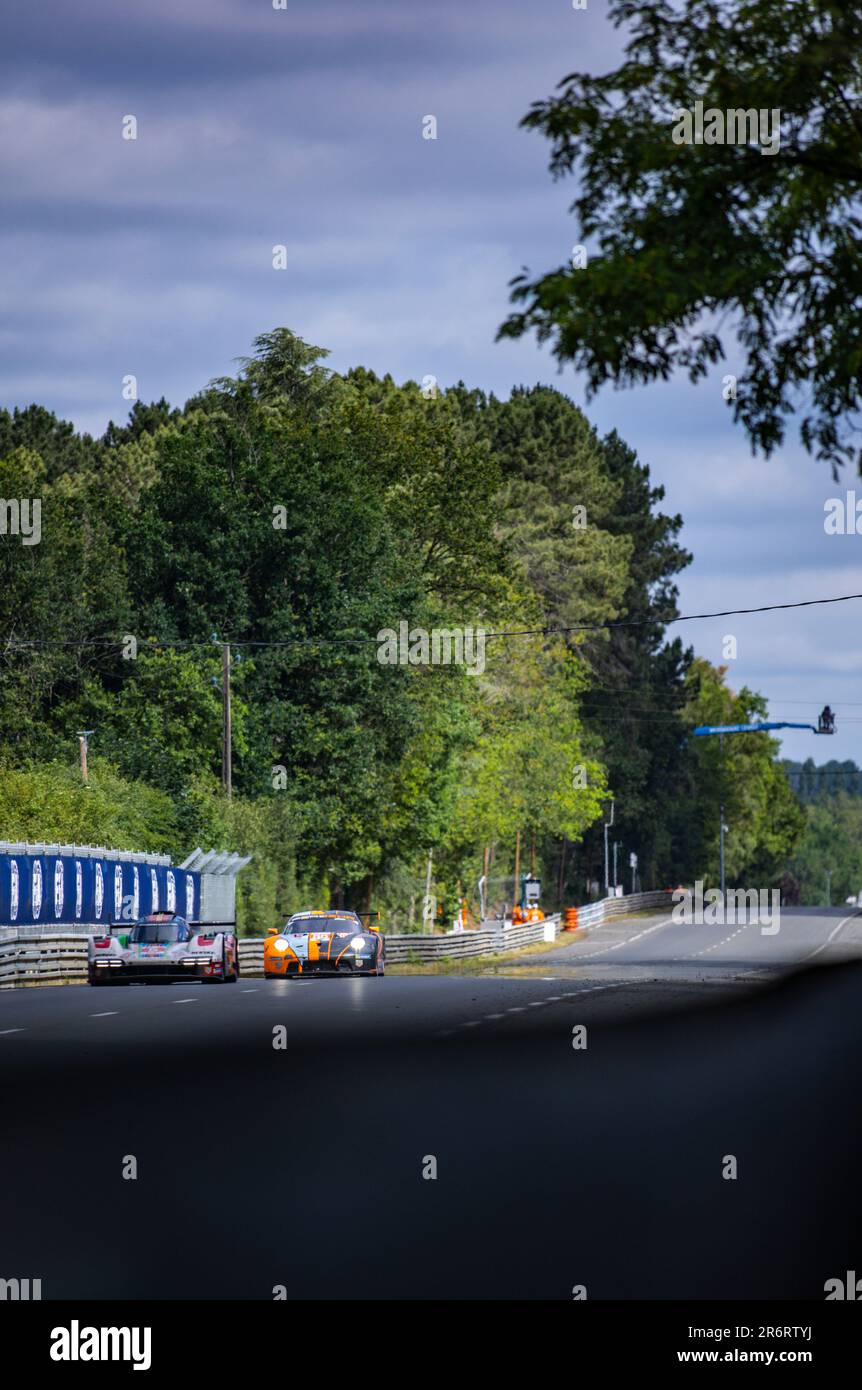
[(127, 926), (369, 914)]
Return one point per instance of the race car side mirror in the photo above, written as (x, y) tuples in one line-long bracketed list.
[(273, 931)]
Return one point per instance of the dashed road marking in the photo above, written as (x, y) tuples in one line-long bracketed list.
[(603, 951), (4, 1032), (831, 937), (531, 1004), (110, 1013), (185, 1001), (723, 942)]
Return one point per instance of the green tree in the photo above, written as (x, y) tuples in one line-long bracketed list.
[(583, 522), (439, 482), (765, 821), (49, 802), (556, 507), (533, 768), (810, 782), (63, 601), (829, 855), (682, 234), (163, 723), (636, 699), (287, 535)]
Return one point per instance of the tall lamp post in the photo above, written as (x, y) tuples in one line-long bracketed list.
[(825, 725), (608, 824)]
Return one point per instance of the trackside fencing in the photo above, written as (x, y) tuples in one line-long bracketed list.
[(500, 937), (37, 957), (608, 908)]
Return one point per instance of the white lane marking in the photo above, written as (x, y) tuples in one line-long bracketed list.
[(250, 991), (831, 937), (620, 944), (540, 1004), (755, 922), (4, 1032), (184, 1001), (532, 1004), (110, 1014)]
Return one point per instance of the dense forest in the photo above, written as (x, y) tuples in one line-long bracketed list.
[(296, 514), (827, 864)]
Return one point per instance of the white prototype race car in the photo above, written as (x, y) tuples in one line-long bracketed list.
[(164, 947)]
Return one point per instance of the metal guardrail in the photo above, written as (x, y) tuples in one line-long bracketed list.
[(36, 930), (500, 938), (38, 956), (594, 913), (251, 956), (35, 959)]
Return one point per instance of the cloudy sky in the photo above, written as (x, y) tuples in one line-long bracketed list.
[(303, 126)]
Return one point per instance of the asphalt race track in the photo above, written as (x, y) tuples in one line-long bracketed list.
[(303, 1166)]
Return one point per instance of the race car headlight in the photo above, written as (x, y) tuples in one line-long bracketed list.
[(358, 943), (280, 945)]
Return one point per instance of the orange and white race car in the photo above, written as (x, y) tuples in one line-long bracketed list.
[(330, 942)]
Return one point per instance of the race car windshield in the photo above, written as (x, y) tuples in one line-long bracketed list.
[(307, 924), (162, 932)]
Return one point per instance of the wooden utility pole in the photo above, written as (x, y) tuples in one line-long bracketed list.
[(83, 743), (226, 751)]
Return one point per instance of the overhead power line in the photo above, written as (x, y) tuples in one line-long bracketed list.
[(550, 630)]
